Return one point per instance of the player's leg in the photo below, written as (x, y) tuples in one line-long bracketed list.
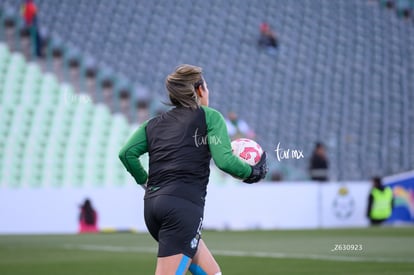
[(173, 265), (178, 234), (203, 262)]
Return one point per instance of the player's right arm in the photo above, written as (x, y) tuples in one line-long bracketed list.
[(132, 150)]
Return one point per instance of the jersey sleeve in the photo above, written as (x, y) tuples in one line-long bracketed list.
[(220, 146), (132, 150)]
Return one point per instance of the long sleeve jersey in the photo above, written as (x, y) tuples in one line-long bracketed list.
[(180, 144)]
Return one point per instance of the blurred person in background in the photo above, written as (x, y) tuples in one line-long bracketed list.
[(380, 202), (238, 128), (180, 144), (267, 38), (318, 166), (88, 218), (29, 14)]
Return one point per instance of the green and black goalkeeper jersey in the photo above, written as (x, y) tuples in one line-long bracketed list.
[(180, 144)]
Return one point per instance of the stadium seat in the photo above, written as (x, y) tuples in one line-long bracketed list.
[(334, 59), (64, 134)]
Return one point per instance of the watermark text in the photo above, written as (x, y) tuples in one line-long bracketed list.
[(282, 153)]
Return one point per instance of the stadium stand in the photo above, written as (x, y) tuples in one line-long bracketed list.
[(51, 136), (342, 74), (403, 8)]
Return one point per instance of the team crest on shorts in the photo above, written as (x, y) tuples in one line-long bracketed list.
[(194, 241)]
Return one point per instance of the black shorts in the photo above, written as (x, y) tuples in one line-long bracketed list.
[(175, 223)]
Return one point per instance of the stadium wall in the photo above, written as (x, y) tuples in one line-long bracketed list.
[(232, 206)]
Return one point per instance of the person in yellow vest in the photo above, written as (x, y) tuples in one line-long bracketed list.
[(380, 202)]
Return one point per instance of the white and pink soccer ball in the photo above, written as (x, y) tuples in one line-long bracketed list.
[(247, 150)]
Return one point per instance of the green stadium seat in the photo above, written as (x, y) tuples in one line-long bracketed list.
[(53, 137), (6, 114), (49, 90), (12, 158), (4, 59), (4, 51), (16, 64), (33, 74), (11, 94)]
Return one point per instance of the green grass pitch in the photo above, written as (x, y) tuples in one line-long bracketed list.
[(384, 250)]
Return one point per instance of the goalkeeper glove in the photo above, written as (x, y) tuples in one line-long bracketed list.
[(259, 170)]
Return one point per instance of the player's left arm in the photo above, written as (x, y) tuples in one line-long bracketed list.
[(220, 146), (132, 150)]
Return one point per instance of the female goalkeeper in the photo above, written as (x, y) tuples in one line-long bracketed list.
[(180, 144)]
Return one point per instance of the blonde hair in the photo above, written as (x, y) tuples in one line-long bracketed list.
[(182, 84)]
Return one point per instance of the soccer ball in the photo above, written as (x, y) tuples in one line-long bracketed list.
[(247, 150)]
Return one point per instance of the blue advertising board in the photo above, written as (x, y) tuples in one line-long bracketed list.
[(403, 190)]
